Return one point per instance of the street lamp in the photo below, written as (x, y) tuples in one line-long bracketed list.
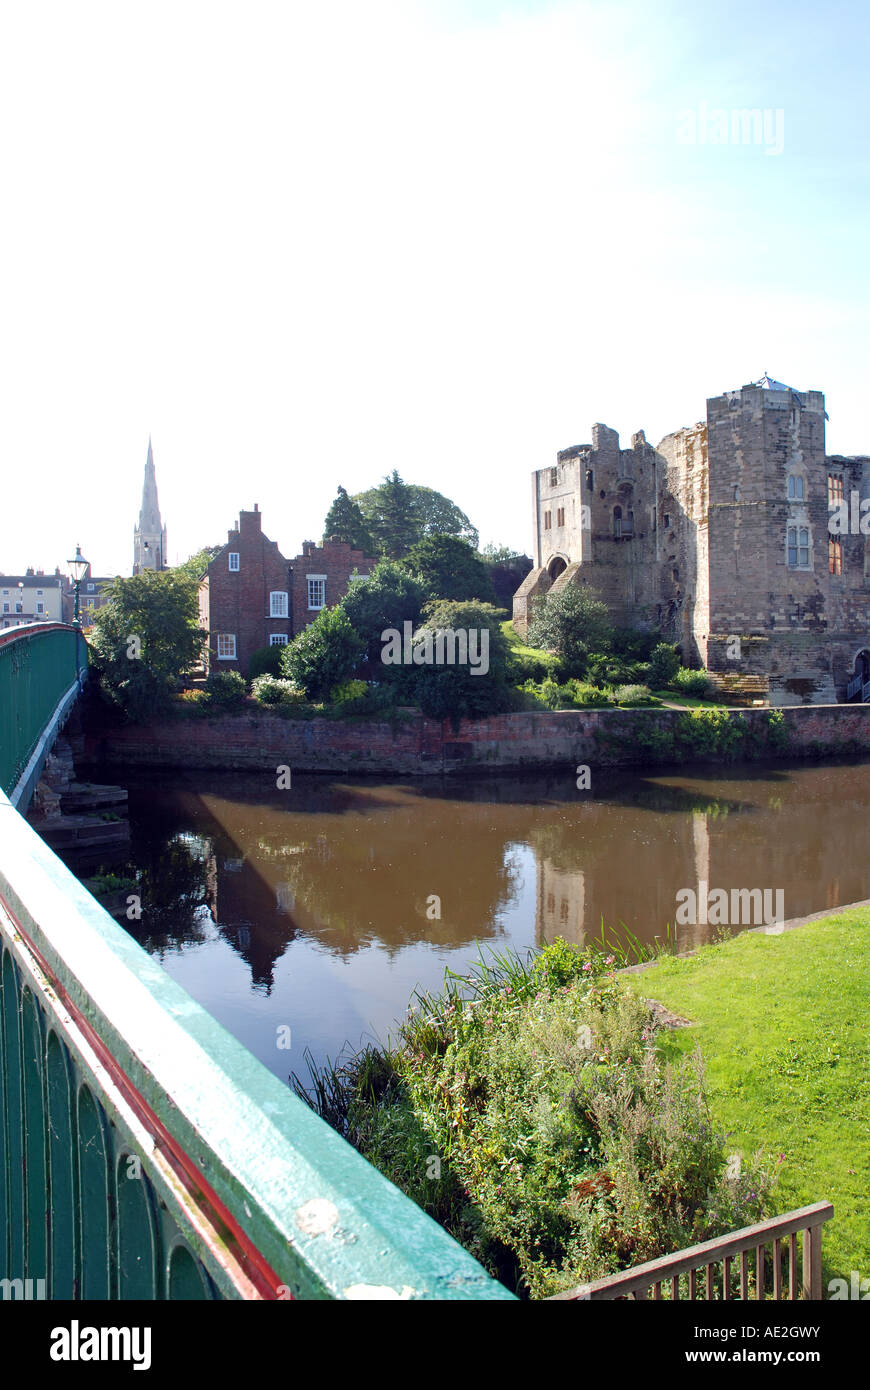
[(78, 568)]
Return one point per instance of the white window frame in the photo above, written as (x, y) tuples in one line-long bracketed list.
[(278, 639), (223, 638), (281, 608), (40, 608), (6, 608), (233, 555), (316, 579), (90, 588)]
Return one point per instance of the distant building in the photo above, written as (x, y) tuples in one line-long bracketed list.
[(726, 538), (252, 596), (33, 597), (91, 597), (149, 537)]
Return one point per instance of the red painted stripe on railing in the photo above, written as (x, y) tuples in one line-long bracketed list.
[(255, 1266)]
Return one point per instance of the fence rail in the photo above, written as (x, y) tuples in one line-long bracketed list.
[(787, 1275), (40, 669)]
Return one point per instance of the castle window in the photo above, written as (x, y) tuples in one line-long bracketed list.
[(835, 489), (795, 487), (277, 605), (278, 639), (560, 516), (226, 646), (316, 591), (652, 512), (666, 520), (590, 480), (548, 520), (617, 522), (676, 576), (629, 529), (554, 477), (798, 547), (835, 555), (234, 560)]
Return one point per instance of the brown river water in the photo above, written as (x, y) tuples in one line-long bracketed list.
[(322, 907)]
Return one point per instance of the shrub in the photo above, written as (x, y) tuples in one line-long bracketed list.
[(695, 683), (265, 661), (664, 663), (349, 690), (573, 623), (526, 664), (605, 669), (707, 732), (226, 689), (271, 690), (324, 654), (634, 695)]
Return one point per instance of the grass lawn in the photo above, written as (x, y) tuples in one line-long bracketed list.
[(672, 697), (782, 1022)]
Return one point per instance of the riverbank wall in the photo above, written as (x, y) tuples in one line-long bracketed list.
[(415, 745)]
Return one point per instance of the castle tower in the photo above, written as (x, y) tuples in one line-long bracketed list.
[(149, 537)]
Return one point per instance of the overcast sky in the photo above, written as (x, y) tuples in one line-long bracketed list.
[(302, 244)]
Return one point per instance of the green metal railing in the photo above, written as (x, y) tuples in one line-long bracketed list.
[(145, 1153), (40, 666)]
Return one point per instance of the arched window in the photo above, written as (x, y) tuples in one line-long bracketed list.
[(590, 480), (798, 547), (795, 487), (617, 522)]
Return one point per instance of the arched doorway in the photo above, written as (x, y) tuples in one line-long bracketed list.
[(556, 567)]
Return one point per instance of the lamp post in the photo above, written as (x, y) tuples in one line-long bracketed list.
[(78, 568)]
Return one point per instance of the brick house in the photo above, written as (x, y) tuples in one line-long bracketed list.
[(252, 596)]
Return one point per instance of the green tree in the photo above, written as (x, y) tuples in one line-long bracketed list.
[(400, 514), (572, 623), (324, 654), (449, 568), (389, 598), (663, 666), (145, 636), (197, 564), (507, 570), (455, 691), (345, 522)]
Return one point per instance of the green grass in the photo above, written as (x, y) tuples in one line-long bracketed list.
[(672, 697), (783, 1025)]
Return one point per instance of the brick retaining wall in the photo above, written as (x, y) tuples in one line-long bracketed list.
[(417, 745)]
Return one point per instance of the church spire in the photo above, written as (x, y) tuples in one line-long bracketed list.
[(149, 537)]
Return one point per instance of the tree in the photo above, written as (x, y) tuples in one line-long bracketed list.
[(450, 569), (572, 623), (345, 522), (324, 654), (460, 689), (400, 514), (197, 564), (145, 636), (441, 517), (389, 598), (507, 570)]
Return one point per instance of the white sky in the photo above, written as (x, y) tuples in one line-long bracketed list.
[(302, 244)]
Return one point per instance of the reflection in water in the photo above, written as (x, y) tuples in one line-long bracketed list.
[(313, 906)]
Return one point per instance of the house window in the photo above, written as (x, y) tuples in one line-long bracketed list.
[(40, 608), (316, 591), (560, 516), (6, 608), (835, 555), (798, 547), (5, 593), (835, 489), (548, 520), (19, 608), (234, 559), (795, 487), (90, 588), (39, 593), (277, 639), (554, 477), (278, 605), (226, 646)]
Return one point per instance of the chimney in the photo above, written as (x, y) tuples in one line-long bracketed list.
[(250, 523)]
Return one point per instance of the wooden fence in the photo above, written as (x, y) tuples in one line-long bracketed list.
[(733, 1266)]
